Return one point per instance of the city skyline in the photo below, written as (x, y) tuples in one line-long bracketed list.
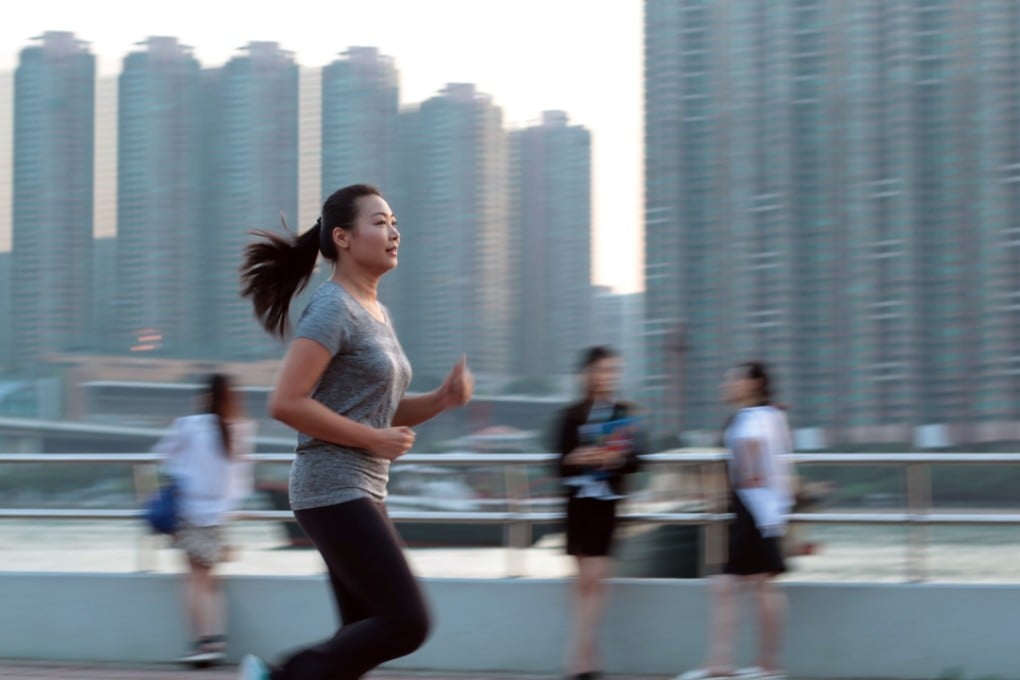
[(596, 79), (194, 158)]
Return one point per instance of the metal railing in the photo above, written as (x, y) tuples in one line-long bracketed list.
[(520, 516)]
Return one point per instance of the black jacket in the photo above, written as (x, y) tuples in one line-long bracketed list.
[(568, 439)]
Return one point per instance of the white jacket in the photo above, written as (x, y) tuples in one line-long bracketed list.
[(211, 484), (770, 503)]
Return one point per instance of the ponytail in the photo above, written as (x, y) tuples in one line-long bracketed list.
[(219, 394), (275, 269)]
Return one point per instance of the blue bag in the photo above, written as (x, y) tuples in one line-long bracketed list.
[(161, 510)]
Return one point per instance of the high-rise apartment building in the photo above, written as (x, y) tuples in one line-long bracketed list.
[(54, 96), (832, 187), (550, 197)]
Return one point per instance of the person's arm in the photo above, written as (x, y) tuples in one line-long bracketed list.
[(574, 459), (749, 460), (455, 392), (291, 403)]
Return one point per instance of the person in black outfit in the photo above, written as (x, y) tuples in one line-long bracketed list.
[(593, 473)]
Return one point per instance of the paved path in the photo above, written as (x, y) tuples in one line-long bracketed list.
[(32, 671)]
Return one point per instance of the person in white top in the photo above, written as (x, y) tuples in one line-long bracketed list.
[(758, 438), (208, 455)]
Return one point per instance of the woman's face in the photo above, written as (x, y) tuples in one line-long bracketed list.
[(737, 388), (603, 377), (374, 241)]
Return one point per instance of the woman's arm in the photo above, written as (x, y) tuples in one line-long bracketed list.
[(415, 409), (750, 472), (291, 403), (455, 391), (574, 459)]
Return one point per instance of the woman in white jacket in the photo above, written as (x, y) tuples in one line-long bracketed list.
[(758, 438), (208, 455)]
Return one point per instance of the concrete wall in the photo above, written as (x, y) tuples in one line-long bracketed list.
[(917, 631)]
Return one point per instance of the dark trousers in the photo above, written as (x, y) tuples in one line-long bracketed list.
[(380, 604)]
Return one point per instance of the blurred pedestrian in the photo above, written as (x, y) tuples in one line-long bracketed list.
[(207, 455), (598, 442), (758, 438)]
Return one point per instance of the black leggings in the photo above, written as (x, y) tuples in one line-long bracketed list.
[(382, 609)]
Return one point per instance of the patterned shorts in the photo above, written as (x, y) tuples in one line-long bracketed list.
[(203, 545)]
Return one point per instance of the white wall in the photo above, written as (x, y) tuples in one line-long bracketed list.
[(885, 631)]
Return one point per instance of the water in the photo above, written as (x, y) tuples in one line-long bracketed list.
[(846, 553)]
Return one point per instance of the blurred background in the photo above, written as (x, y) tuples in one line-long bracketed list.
[(832, 187)]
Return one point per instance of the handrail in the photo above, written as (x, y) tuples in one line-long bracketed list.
[(692, 458)]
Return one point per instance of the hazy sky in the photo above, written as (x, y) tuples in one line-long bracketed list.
[(580, 56)]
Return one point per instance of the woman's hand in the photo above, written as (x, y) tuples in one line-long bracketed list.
[(458, 387), (612, 457), (589, 456), (391, 442)]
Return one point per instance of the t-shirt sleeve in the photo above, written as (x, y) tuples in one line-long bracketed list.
[(325, 322)]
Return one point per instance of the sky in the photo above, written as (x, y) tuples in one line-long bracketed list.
[(578, 56)]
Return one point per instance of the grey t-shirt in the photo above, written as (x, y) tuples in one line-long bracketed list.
[(364, 381)]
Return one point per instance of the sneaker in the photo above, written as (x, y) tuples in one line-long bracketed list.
[(200, 658), (759, 673), (253, 668), (706, 674)]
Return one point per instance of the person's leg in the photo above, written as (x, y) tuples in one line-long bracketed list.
[(723, 617), (204, 605), (385, 616), (590, 594), (194, 601), (348, 607), (214, 613), (771, 604)]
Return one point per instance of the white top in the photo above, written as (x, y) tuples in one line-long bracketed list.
[(770, 503), (211, 484)]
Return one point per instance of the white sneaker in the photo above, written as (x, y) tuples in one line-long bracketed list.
[(201, 659), (705, 674), (253, 668), (759, 673)]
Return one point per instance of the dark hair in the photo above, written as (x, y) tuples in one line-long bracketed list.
[(218, 396), (595, 354), (278, 266), (759, 372)]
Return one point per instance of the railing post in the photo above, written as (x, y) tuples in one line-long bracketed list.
[(918, 504), (518, 532), (713, 532), (145, 548)]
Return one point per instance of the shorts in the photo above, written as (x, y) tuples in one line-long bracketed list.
[(203, 545)]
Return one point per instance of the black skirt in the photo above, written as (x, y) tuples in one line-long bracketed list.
[(750, 553), (591, 524)]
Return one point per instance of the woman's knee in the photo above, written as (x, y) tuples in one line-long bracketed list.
[(723, 585), (410, 630), (590, 584)]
